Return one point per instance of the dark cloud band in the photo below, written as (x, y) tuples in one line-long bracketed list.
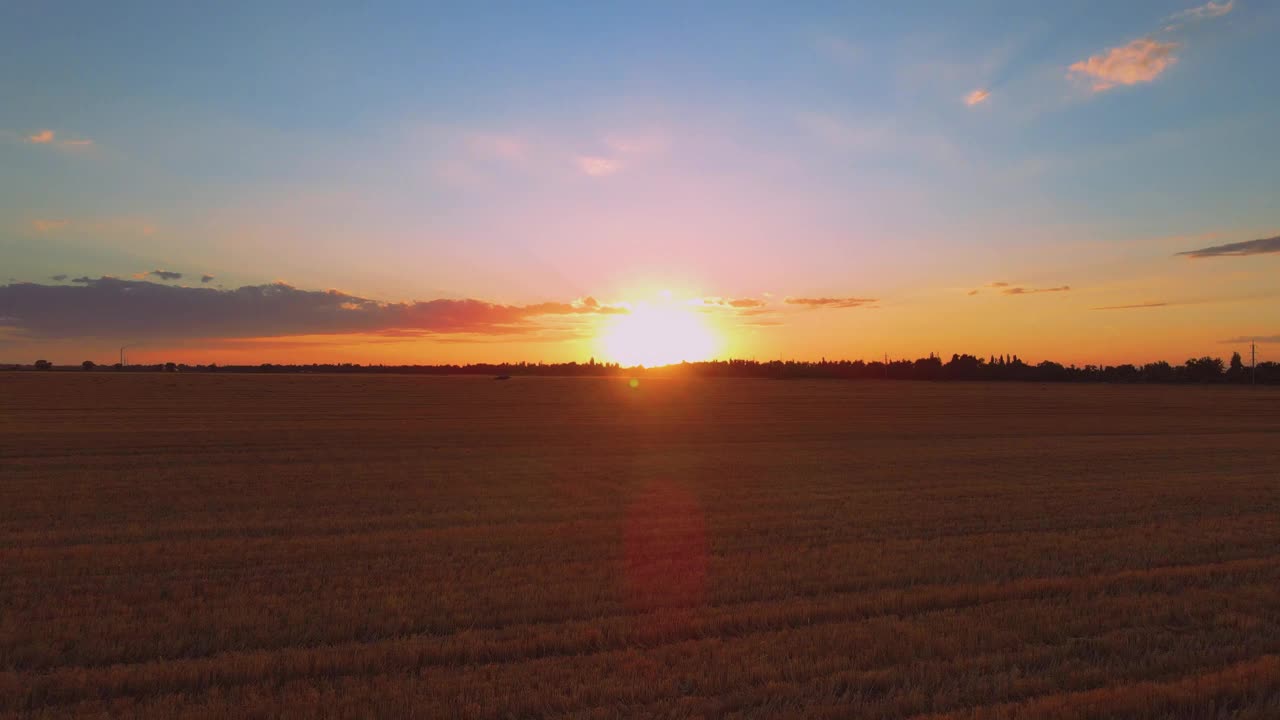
[(136, 309), (1262, 246)]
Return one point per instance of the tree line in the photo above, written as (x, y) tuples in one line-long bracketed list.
[(933, 368)]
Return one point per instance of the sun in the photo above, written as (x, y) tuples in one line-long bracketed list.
[(652, 335)]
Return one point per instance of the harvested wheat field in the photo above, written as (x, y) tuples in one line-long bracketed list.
[(376, 546)]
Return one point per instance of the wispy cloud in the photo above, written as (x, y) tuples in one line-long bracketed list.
[(618, 151), (206, 278), (58, 278), (1203, 12), (997, 285), (1141, 61), (1262, 246), (1254, 339), (164, 274), (1033, 291), (50, 137), (736, 303), (829, 302), (596, 166), (976, 97), (48, 226), (110, 307), (1137, 306)]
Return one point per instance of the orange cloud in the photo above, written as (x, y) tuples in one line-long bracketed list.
[(976, 97), (1141, 61), (44, 226), (1137, 306), (49, 137), (1031, 291), (826, 302)]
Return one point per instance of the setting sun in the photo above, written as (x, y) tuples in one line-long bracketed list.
[(658, 335)]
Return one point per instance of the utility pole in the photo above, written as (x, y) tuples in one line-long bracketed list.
[(1253, 363)]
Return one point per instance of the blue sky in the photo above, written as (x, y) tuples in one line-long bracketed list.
[(527, 152)]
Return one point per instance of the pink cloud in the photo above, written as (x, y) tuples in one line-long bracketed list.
[(976, 97), (42, 137), (596, 166), (1141, 61)]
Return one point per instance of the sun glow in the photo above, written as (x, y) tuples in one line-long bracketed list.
[(658, 335)]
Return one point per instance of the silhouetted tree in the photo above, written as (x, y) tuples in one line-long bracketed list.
[(1236, 371), (88, 364), (1205, 369), (43, 365), (1158, 372)]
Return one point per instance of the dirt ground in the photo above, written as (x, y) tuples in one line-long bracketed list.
[(400, 546)]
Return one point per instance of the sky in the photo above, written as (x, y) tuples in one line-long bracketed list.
[(386, 182)]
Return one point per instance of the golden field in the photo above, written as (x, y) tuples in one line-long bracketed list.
[(399, 546)]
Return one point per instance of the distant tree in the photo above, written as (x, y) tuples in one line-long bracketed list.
[(170, 367), (1205, 369), (88, 364), (1158, 372), (927, 368), (1051, 371), (1236, 372), (44, 365), (964, 367)]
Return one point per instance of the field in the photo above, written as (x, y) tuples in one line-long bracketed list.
[(353, 546)]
